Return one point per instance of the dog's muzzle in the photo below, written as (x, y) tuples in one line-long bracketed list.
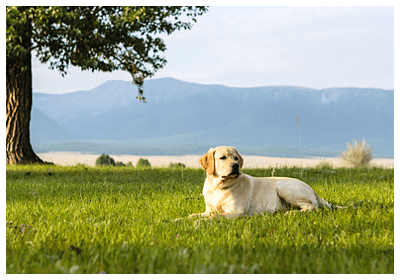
[(234, 173), (235, 169)]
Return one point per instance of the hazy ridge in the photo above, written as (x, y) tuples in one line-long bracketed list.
[(188, 118)]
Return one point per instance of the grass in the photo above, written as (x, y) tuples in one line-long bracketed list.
[(118, 220)]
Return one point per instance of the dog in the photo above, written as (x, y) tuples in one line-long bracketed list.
[(230, 193)]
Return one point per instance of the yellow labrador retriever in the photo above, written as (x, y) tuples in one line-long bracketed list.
[(230, 193)]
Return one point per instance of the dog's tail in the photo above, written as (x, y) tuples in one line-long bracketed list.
[(322, 202), (339, 207)]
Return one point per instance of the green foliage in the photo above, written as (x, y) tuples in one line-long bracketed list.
[(358, 154), (108, 220), (178, 165), (325, 164), (105, 160), (102, 38), (143, 162)]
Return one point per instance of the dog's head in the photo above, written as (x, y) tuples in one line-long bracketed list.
[(224, 162)]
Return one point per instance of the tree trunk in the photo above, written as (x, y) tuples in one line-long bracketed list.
[(18, 109)]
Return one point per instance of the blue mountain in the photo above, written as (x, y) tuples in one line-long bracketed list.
[(181, 117)]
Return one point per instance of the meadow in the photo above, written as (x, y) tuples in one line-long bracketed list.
[(119, 220)]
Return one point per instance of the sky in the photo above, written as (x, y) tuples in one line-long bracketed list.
[(307, 46)]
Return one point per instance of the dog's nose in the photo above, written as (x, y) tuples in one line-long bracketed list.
[(235, 165)]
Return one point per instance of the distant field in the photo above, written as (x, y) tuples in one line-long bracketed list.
[(251, 161), (118, 220)]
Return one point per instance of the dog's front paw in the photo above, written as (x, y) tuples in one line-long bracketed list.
[(192, 216)]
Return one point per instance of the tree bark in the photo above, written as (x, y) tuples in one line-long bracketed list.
[(18, 108)]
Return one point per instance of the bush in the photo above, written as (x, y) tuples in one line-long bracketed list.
[(324, 164), (142, 162), (119, 164), (177, 165), (358, 154), (105, 160)]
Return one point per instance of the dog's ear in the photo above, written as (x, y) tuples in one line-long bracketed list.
[(241, 161), (207, 162)]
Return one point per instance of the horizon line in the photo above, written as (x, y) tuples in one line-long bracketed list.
[(215, 84)]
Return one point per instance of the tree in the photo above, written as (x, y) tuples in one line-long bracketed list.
[(92, 38)]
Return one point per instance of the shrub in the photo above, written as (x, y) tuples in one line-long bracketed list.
[(142, 162), (324, 164), (119, 164), (357, 154), (177, 165), (105, 160)]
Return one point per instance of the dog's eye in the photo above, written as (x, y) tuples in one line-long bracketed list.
[(223, 157), (236, 158)]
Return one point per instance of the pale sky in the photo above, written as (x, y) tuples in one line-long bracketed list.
[(315, 47)]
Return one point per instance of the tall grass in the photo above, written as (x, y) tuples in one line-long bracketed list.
[(298, 126), (357, 154), (118, 220)]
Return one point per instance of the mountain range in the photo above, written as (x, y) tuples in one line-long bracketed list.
[(188, 118)]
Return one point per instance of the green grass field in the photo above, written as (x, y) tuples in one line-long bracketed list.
[(118, 220)]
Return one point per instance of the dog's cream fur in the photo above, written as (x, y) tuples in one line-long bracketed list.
[(230, 193)]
